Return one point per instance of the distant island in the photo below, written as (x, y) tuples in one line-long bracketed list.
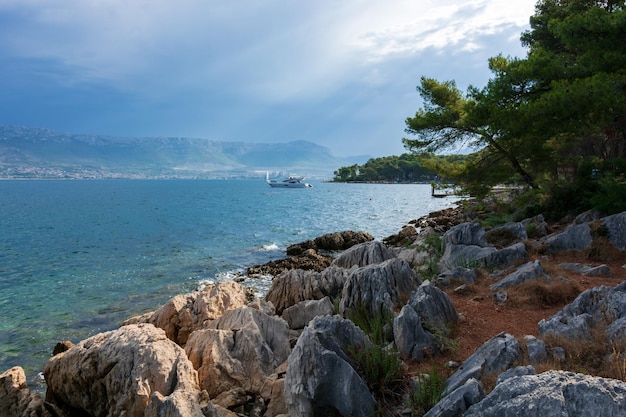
[(27, 152)]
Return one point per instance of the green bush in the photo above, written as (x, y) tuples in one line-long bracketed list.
[(433, 246), (380, 368), (376, 326), (610, 197), (428, 391)]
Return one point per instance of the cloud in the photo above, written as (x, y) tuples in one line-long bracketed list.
[(277, 68)]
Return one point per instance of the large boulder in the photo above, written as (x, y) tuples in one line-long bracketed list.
[(337, 241), (16, 400), (596, 306), (238, 350), (554, 393), (404, 237), (465, 256), (292, 287), (434, 308), (379, 288), (459, 400), (308, 260), (364, 254), (457, 276), (469, 234), (494, 356), (465, 246), (185, 313), (411, 339), (124, 372), (302, 313), (575, 237), (516, 229), (320, 377), (507, 256), (536, 226), (531, 271), (616, 227)]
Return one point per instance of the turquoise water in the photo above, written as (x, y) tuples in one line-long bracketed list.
[(79, 257)]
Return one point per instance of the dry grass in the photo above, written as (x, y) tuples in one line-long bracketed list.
[(595, 355), (542, 294)]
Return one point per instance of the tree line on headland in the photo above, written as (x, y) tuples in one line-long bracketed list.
[(407, 167), (552, 124)]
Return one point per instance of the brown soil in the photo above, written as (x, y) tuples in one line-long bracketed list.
[(482, 317)]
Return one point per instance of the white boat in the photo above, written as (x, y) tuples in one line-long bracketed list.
[(289, 182)]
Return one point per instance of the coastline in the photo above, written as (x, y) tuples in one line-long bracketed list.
[(244, 309)]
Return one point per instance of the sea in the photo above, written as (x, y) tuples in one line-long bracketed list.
[(78, 257)]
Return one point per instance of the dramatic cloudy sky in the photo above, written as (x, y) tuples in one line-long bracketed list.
[(340, 73)]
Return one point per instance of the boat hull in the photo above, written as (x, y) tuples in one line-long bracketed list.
[(288, 185)]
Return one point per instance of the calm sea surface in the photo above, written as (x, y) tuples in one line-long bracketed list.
[(79, 257)]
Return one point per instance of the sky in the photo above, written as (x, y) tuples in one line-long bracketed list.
[(339, 73)]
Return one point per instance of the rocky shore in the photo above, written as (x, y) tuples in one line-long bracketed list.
[(349, 325)]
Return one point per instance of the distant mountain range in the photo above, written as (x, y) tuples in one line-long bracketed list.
[(27, 152)]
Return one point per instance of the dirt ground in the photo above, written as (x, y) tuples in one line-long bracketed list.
[(482, 317)]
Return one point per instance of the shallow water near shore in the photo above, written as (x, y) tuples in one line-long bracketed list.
[(79, 257)]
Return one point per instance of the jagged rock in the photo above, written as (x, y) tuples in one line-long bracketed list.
[(616, 331), (179, 404), (320, 379), (575, 237), (536, 226), (465, 246), (364, 254), (330, 242), (16, 400), (596, 306), (587, 216), (532, 271), (264, 306), (507, 256), (291, 287), (457, 275), (616, 226), (595, 271), (62, 346), (379, 288), (536, 348), (404, 237), (468, 234), (494, 356), (185, 313), (459, 400), (506, 233), (273, 392), (443, 220), (465, 256), (302, 313), (515, 372), (308, 260), (414, 257), (232, 398), (238, 350), (412, 341), (124, 372), (553, 393), (434, 308)]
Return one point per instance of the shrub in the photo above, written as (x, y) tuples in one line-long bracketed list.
[(380, 368), (376, 326), (544, 294), (593, 355), (428, 391)]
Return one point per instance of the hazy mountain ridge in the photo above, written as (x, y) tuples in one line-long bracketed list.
[(27, 152)]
